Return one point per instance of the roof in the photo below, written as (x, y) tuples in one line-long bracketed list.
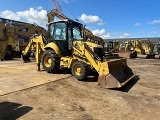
[(66, 20)]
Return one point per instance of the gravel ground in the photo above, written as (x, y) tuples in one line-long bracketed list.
[(27, 94)]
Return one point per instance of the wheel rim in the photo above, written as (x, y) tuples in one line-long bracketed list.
[(78, 70), (47, 61)]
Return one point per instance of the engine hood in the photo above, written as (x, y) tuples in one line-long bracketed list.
[(93, 45)]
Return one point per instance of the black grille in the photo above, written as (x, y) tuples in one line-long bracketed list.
[(99, 52)]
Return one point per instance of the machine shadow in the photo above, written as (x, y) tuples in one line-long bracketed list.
[(12, 111), (62, 71), (128, 85), (91, 79), (125, 88)]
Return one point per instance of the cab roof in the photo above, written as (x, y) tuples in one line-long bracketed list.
[(66, 20)]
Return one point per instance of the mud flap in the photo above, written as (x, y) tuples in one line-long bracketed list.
[(117, 76)]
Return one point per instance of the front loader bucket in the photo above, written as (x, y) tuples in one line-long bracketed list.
[(124, 53), (114, 74), (127, 54)]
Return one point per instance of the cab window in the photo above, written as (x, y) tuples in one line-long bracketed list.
[(57, 31), (60, 31), (76, 33)]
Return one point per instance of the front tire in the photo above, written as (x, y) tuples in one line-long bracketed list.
[(50, 61), (133, 54), (79, 70), (148, 56)]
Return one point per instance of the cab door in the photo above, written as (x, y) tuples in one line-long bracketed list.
[(58, 35)]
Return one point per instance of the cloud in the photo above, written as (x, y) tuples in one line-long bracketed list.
[(66, 1), (137, 24), (40, 8), (34, 15), (9, 15), (38, 16), (101, 33), (91, 19), (125, 35), (154, 22)]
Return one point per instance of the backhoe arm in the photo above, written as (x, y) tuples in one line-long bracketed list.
[(54, 13), (36, 42)]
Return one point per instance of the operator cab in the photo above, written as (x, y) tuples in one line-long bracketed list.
[(63, 33), (109, 45), (156, 48)]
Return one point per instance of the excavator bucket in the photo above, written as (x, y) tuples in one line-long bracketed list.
[(114, 73), (25, 58)]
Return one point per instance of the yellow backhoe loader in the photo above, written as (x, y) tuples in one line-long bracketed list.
[(65, 48), (14, 37), (111, 49), (133, 48), (128, 51), (112, 46)]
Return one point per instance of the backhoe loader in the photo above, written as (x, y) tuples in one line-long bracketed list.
[(129, 49), (112, 46), (14, 37), (65, 48), (111, 49), (137, 48)]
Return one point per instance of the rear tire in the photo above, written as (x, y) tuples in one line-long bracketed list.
[(50, 61), (79, 70), (153, 56), (8, 55), (148, 56), (133, 54)]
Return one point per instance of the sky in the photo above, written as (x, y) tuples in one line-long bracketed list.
[(105, 18)]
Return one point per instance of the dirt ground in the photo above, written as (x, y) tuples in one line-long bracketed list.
[(27, 94)]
